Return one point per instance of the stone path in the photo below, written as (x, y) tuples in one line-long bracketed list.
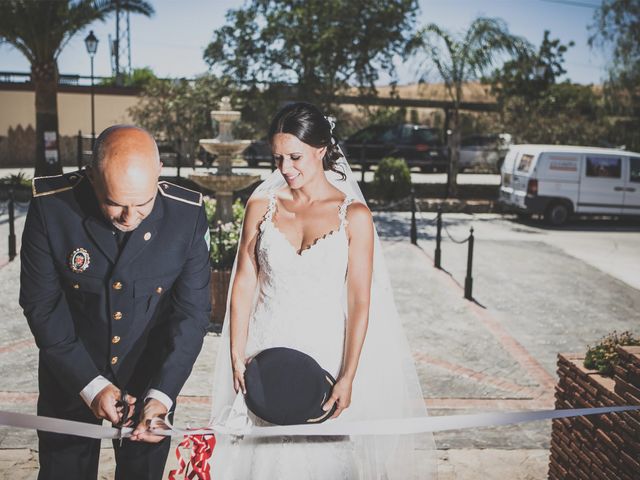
[(532, 300)]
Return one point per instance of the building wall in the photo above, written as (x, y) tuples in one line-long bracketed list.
[(17, 120), (74, 110)]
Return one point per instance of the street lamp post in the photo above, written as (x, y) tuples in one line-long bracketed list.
[(91, 42)]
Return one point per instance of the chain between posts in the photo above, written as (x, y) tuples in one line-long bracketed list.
[(460, 242), (437, 262)]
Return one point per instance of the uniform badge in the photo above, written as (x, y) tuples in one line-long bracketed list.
[(79, 260)]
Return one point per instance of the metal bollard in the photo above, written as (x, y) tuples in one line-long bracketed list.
[(12, 227), (468, 281), (79, 149), (437, 256), (220, 242), (178, 166), (363, 166), (414, 227)]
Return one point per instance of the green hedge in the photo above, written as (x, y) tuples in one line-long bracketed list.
[(392, 179)]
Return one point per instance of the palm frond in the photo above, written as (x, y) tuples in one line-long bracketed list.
[(458, 60), (487, 40), (40, 29)]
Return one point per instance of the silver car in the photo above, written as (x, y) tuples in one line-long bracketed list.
[(484, 152)]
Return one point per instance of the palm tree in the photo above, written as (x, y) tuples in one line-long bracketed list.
[(40, 30), (461, 59)]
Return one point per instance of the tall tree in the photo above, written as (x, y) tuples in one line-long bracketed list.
[(177, 111), (460, 59), (40, 30), (320, 46), (616, 28), (531, 74), (617, 24), (537, 108)]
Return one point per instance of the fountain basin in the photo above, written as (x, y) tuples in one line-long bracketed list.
[(224, 149), (225, 116), (224, 183)]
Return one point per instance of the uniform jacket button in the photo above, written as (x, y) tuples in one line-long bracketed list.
[(117, 315), (117, 285), (76, 286), (159, 290), (114, 360), (115, 339)]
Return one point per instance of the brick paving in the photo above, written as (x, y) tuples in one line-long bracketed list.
[(533, 300)]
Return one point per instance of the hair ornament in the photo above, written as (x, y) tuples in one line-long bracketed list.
[(332, 123)]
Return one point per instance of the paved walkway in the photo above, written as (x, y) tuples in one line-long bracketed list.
[(533, 299)]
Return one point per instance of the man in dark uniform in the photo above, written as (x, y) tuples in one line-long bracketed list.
[(115, 287)]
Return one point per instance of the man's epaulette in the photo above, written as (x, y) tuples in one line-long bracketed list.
[(42, 186), (179, 193)]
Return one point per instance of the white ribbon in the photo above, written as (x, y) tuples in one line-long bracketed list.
[(237, 423)]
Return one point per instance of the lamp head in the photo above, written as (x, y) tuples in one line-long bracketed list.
[(91, 42)]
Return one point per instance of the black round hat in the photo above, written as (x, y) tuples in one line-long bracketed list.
[(287, 387)]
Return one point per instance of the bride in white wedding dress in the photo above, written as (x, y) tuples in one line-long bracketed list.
[(309, 275)]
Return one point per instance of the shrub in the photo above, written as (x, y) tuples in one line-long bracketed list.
[(225, 237), (392, 179), (16, 180), (603, 356)]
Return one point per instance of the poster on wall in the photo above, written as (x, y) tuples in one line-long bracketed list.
[(51, 147)]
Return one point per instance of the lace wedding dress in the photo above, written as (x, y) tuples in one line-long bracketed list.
[(296, 308), (300, 302)]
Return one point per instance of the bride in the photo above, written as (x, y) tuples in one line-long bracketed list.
[(310, 275)]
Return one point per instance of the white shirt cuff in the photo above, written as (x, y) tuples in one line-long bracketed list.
[(161, 397), (93, 388)]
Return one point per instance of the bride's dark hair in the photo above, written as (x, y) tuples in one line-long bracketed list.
[(307, 123)]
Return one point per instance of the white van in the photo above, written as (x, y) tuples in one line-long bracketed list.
[(557, 181)]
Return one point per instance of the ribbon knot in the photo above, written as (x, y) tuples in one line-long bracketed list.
[(201, 450)]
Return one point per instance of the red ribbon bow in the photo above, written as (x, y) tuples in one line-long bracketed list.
[(201, 452)]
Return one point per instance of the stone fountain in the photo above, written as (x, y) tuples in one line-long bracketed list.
[(224, 182)]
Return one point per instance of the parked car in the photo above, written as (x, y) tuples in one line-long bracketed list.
[(483, 152), (258, 151), (558, 181), (420, 146)]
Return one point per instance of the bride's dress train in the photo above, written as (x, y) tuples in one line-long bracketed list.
[(300, 303)]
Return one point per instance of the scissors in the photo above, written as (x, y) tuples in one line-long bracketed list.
[(125, 413)]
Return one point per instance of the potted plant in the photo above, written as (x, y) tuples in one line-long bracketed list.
[(19, 183), (603, 357), (224, 244)]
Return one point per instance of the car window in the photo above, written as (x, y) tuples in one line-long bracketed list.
[(490, 141), (634, 170), (428, 136), (406, 133), (469, 141), (368, 135), (609, 167), (390, 135)]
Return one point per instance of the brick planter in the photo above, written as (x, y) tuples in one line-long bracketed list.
[(603, 447)]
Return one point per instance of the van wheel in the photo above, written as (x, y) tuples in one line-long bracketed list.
[(557, 214)]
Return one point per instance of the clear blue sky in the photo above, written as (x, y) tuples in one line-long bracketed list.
[(172, 41)]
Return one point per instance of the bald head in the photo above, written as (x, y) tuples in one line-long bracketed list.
[(124, 142), (124, 172)]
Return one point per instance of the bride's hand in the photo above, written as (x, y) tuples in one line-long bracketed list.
[(341, 396), (239, 368)]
